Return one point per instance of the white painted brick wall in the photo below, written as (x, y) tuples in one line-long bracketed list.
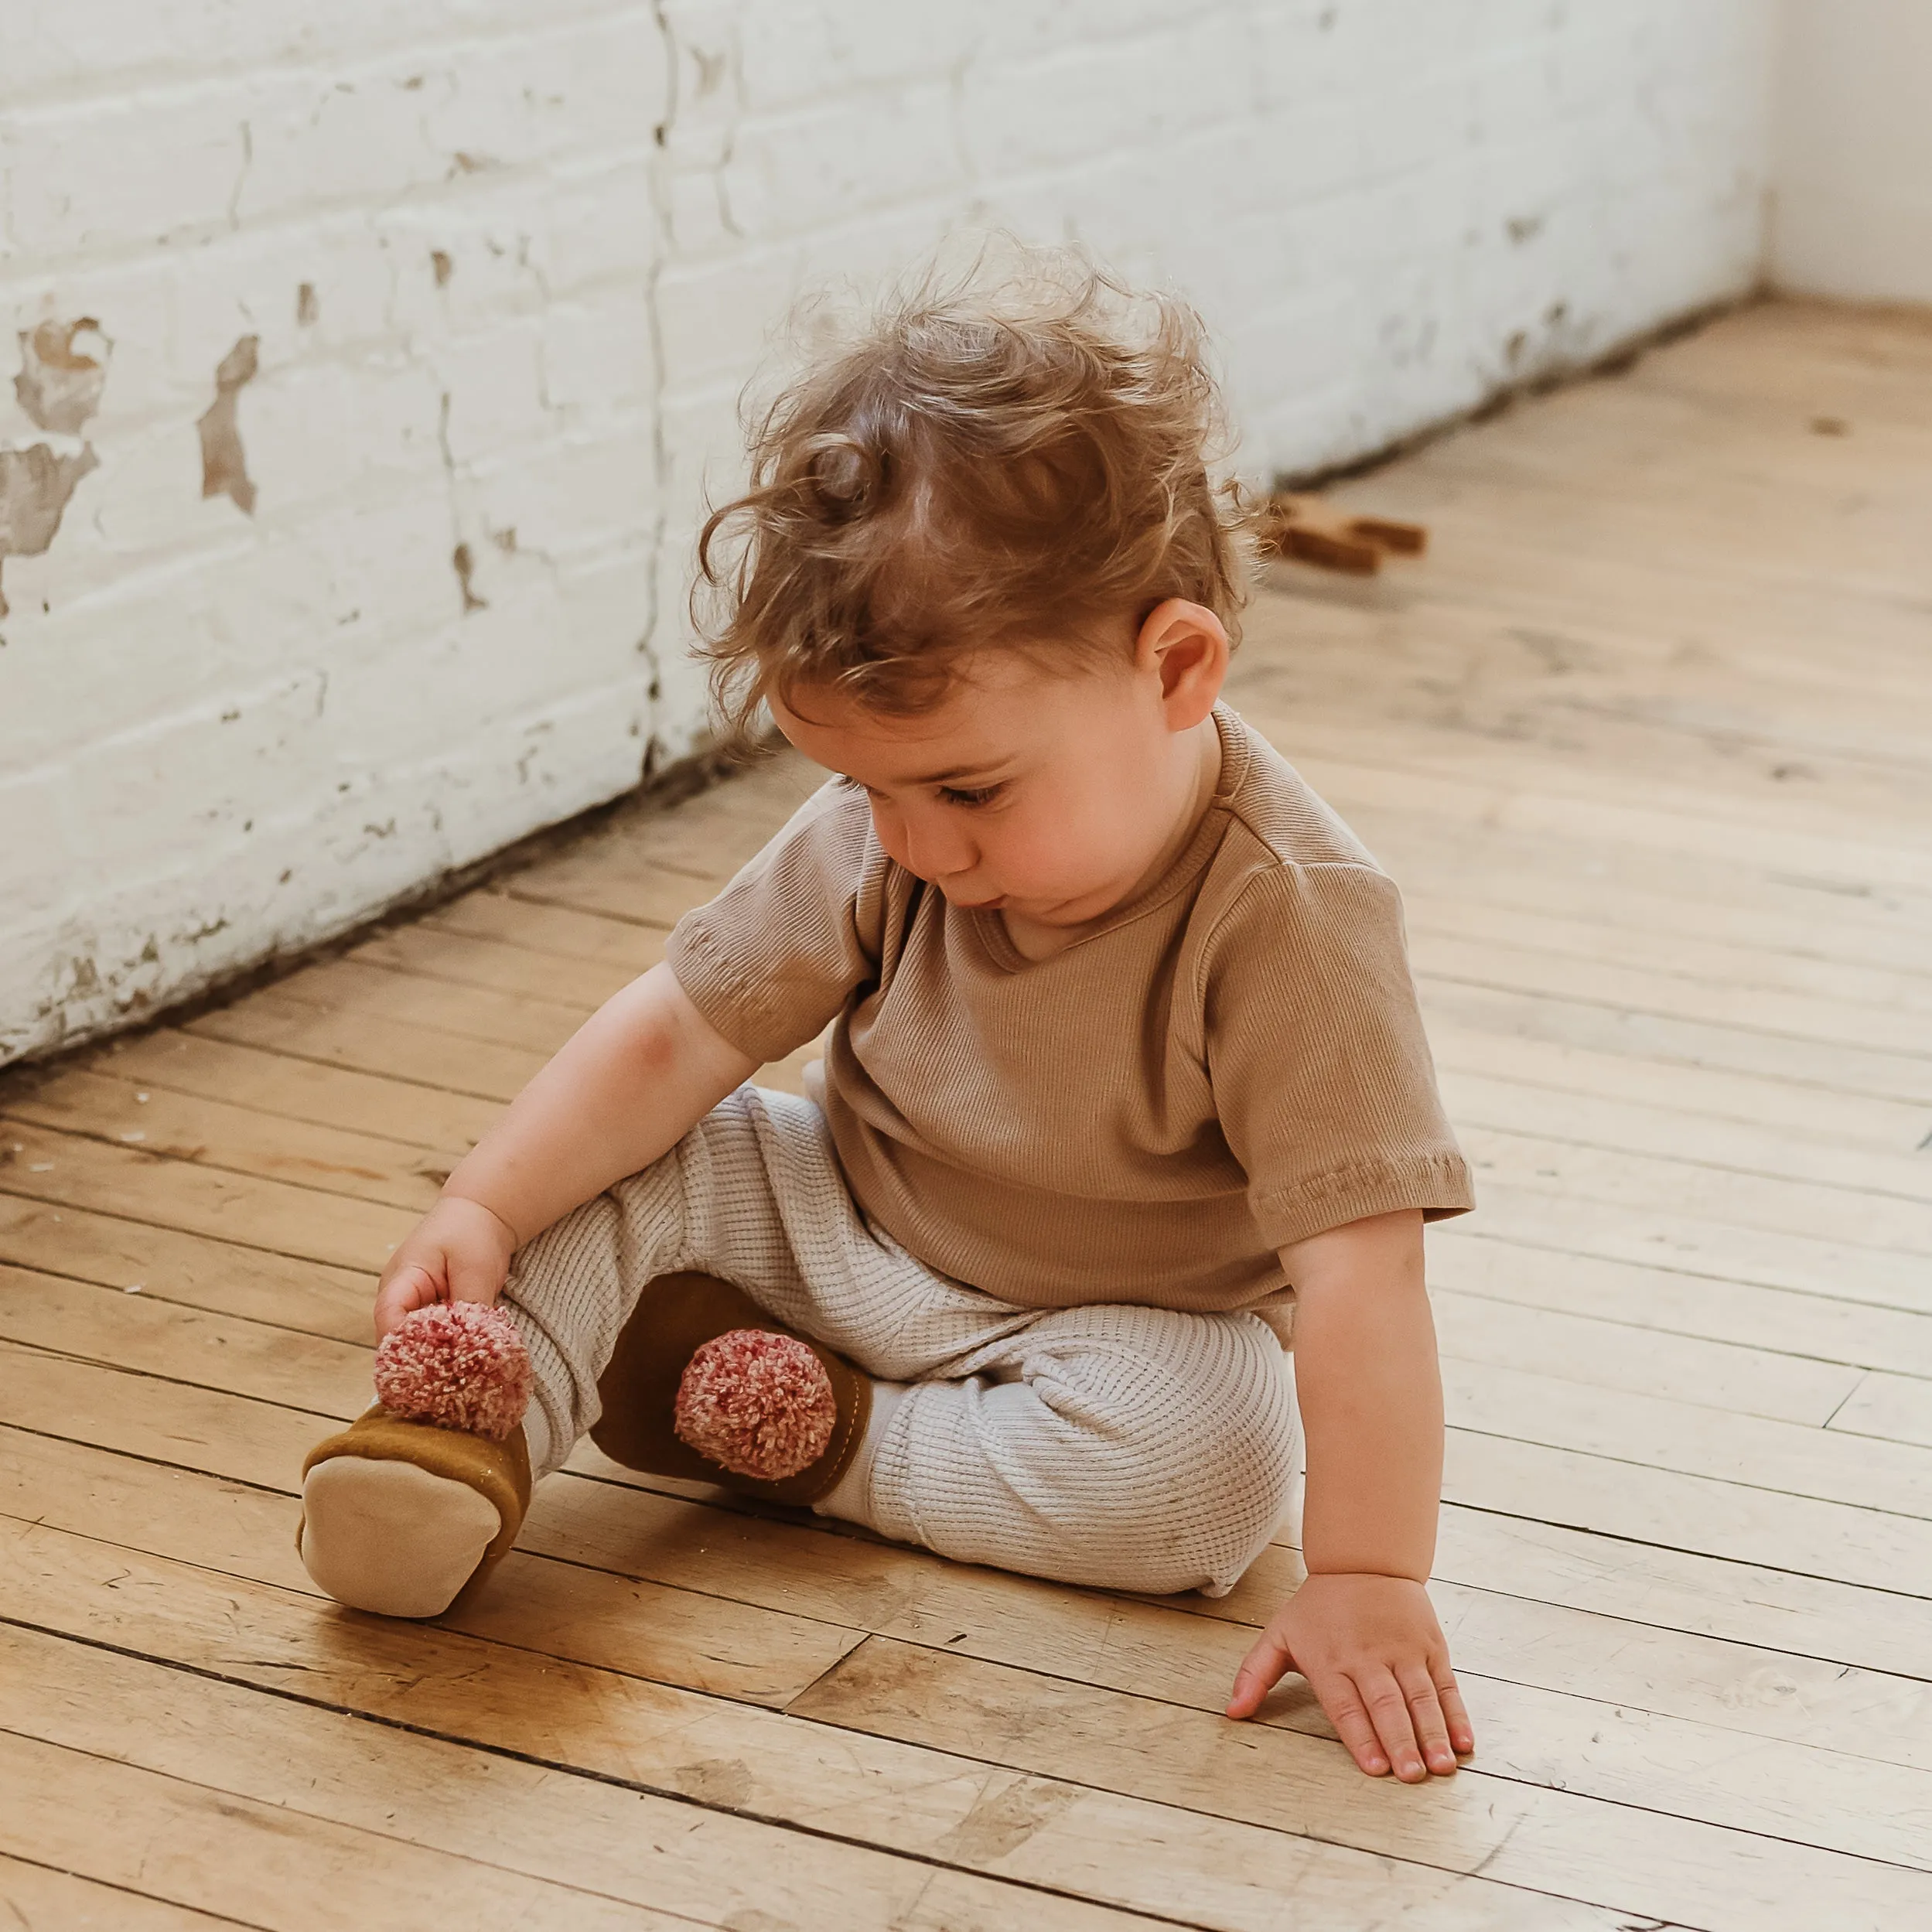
[(224, 734)]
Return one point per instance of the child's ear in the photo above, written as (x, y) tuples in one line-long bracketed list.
[(1186, 645)]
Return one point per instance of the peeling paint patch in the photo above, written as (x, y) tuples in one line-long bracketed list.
[(307, 309), (64, 368), (466, 564), (224, 470), (35, 485), (442, 266)]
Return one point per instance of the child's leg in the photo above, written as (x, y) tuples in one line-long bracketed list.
[(1131, 1447), (1127, 1447), (1134, 1448), (399, 1517), (754, 1195)]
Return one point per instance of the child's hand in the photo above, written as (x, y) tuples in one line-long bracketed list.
[(1373, 1652), (459, 1252)]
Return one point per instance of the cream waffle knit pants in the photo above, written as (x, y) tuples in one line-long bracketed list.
[(1130, 1448)]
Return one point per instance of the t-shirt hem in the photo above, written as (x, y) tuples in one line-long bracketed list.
[(1439, 1184)]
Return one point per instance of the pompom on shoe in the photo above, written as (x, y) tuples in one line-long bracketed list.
[(422, 1495), (459, 1365), (704, 1387), (757, 1403)]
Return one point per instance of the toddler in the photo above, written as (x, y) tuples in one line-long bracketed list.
[(1125, 1068)]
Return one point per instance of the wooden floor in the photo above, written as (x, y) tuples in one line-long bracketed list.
[(1644, 740)]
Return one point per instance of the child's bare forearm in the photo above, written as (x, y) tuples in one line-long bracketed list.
[(623, 1090), (1371, 1399)]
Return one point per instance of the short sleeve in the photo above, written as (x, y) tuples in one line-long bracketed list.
[(771, 959), (1322, 1075)]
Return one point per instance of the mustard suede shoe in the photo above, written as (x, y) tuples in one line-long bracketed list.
[(704, 1386), (421, 1497)]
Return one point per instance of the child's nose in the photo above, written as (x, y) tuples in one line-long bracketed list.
[(936, 846)]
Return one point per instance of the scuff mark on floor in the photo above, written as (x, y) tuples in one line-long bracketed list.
[(224, 469), (63, 369)]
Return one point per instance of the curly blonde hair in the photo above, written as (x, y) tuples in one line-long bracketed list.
[(1020, 461)]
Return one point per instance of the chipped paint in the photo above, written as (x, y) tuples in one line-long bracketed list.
[(466, 564), (63, 369), (35, 485), (224, 470)]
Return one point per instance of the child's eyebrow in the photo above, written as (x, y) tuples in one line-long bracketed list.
[(957, 772)]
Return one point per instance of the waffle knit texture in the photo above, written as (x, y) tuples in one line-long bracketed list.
[(1226, 1064), (1126, 1447)]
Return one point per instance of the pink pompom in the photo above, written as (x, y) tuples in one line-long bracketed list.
[(760, 1403), (460, 1365)]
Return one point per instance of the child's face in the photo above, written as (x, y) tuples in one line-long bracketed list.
[(1049, 796)]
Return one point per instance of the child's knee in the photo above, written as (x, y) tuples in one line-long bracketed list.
[(1203, 1440)]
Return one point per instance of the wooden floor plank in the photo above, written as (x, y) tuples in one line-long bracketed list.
[(1616, 1355), (1802, 1019), (1826, 1132), (1898, 1407), (493, 913), (464, 959), (1885, 1227), (37, 1896), (133, 1257), (1482, 1262), (1487, 1099), (368, 1043), (275, 1216), (269, 1082), (240, 1140), (1688, 1511), (353, 987), (1530, 1206), (261, 1863)]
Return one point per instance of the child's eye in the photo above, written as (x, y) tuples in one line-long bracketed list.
[(977, 795)]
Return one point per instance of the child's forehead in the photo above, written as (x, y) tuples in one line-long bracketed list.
[(1006, 712)]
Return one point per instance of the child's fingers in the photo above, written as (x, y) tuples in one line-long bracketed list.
[(1427, 1716), (409, 1289), (1262, 1669), (1462, 1733), (1388, 1710), (1353, 1724)]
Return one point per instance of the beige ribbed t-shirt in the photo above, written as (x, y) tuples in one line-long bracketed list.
[(1231, 1062)]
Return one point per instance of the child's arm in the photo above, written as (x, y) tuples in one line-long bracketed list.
[(623, 1090), (1361, 1630)]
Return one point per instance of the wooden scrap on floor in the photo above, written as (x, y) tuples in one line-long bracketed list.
[(1313, 530)]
